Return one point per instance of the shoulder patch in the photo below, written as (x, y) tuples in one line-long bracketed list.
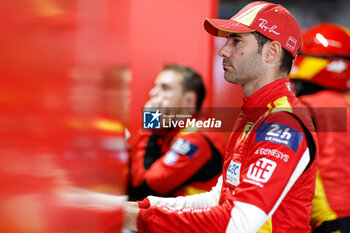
[(184, 147), (279, 134), (171, 157)]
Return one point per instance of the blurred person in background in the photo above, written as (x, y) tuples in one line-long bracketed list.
[(321, 77), (173, 162), (40, 48), (96, 152), (116, 92), (268, 177), (57, 169)]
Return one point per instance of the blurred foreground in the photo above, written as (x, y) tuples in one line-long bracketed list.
[(63, 156)]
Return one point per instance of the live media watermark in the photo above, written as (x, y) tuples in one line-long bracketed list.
[(223, 119), (159, 120)]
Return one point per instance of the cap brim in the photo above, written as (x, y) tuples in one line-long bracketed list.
[(221, 27)]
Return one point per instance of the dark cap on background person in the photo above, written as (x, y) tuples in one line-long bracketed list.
[(268, 19)]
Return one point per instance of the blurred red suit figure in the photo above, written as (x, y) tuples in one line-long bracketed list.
[(321, 77), (37, 192), (96, 153)]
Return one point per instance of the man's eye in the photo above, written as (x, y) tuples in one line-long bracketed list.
[(165, 87), (237, 41)]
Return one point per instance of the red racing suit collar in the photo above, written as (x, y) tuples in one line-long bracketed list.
[(266, 94)]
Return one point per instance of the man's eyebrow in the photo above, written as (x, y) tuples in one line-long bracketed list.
[(231, 35)]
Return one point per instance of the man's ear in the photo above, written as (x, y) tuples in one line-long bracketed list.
[(190, 99), (272, 51)]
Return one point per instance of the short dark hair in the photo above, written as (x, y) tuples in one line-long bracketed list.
[(287, 57), (192, 81)]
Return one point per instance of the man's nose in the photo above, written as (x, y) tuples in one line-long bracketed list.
[(225, 51), (153, 92)]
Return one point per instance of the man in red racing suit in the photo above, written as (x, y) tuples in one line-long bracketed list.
[(264, 170), (189, 162), (174, 161), (268, 178)]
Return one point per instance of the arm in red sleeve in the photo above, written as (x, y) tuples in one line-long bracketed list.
[(265, 179), (242, 218), (207, 199), (144, 204), (156, 170)]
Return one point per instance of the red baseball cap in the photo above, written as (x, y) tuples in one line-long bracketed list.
[(270, 20)]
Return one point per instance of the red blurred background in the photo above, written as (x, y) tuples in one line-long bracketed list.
[(75, 74)]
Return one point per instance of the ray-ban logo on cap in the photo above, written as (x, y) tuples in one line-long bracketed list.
[(263, 25)]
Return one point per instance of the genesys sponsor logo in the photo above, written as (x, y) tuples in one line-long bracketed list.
[(272, 152)]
